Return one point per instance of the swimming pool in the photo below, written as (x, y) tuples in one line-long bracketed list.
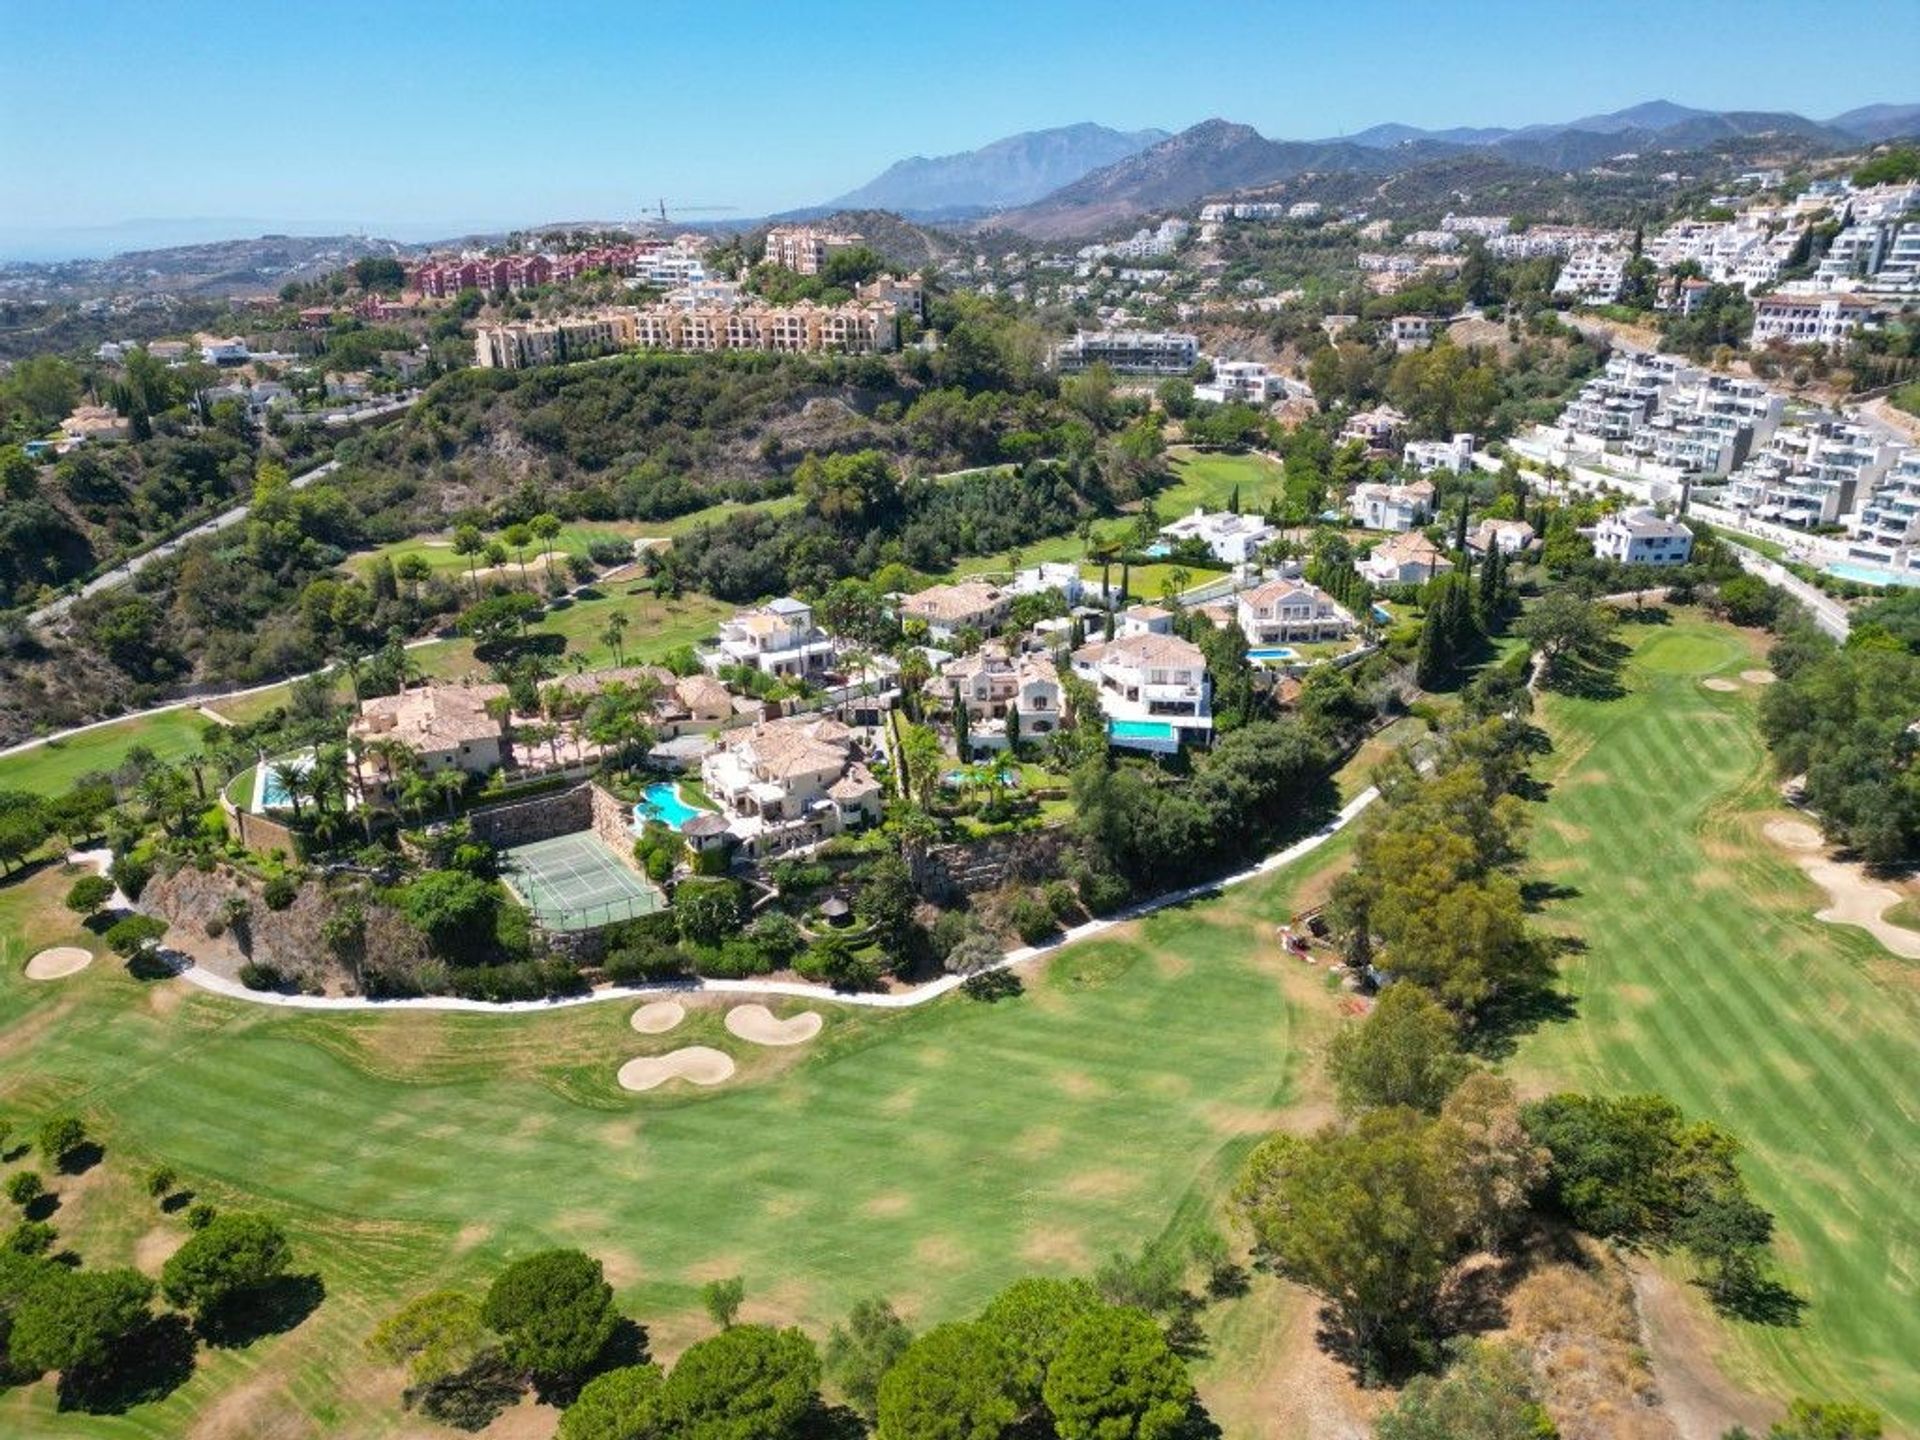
[(1271, 653), (270, 790), (1140, 730), (1382, 615), (1870, 574), (662, 802)]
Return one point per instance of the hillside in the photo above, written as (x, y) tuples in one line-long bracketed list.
[(1013, 171), (1210, 158)]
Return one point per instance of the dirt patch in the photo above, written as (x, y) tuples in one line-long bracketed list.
[(261, 1409), (1758, 677), (941, 1252), (758, 1025), (1107, 1183), (696, 1064), (887, 1206), (1701, 1403), (1853, 898), (1077, 1085), (658, 1016), (58, 963), (1578, 1322), (1723, 686), (153, 1249), (1055, 1247), (1037, 1141)]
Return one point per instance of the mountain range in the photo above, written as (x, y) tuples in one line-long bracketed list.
[(1218, 156), (1013, 171)]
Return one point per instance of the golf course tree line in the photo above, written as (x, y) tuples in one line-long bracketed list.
[(96, 1328), (1842, 717), (1435, 1160), (1072, 1359)]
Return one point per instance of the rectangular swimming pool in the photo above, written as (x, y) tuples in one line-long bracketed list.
[(1870, 574), (1271, 653), (1140, 729)]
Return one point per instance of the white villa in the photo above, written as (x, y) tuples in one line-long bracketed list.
[(1153, 687), (1060, 575), (1409, 559), (991, 681), (1510, 537), (946, 610), (1392, 507), (1234, 539), (1426, 456), (788, 784), (1640, 537), (1286, 612), (778, 638)]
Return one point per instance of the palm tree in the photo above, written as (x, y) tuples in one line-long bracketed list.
[(328, 774), (294, 783), (417, 796), (544, 527), (354, 662), (612, 636), (452, 784)]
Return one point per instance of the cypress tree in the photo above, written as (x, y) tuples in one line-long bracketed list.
[(960, 721)]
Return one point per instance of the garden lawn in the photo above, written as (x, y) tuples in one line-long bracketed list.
[(931, 1156), (1706, 977), (48, 769)]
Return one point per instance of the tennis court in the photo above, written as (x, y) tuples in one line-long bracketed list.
[(573, 882)]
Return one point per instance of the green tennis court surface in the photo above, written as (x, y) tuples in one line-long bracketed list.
[(573, 882)]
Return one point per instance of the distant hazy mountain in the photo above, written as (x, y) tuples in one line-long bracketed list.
[(1211, 158), (1012, 171), (1878, 122)]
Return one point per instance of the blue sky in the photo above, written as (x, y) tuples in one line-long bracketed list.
[(424, 118)]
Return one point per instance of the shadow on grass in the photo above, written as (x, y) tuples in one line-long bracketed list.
[(270, 1309), (473, 1398), (81, 1158), (1759, 1301), (41, 1207), (993, 986), (1536, 895), (176, 1202), (148, 1365), (1503, 1024)]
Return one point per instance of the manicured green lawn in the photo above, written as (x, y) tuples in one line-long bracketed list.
[(1209, 479), (1706, 977), (655, 626), (930, 1156), (50, 768)]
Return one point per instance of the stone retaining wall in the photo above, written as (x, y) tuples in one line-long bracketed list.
[(525, 821), (612, 823), (971, 867)]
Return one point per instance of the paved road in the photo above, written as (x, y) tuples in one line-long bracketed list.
[(1828, 613), (894, 1000), (121, 574)]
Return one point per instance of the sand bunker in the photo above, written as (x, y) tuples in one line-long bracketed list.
[(1853, 898), (756, 1023), (1794, 835), (697, 1064), (1716, 683), (1758, 677), (658, 1016), (58, 963)]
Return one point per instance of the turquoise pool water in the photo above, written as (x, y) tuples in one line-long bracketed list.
[(270, 790), (663, 803), (1140, 729), (1271, 652), (1869, 574), (1382, 615)]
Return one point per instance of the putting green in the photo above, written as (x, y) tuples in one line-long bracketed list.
[(1707, 977)]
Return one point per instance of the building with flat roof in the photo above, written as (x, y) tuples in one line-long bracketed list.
[(778, 638), (804, 249), (1128, 352)]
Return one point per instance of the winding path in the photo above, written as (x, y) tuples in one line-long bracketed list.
[(893, 1000)]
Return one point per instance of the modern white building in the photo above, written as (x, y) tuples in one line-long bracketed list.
[(1229, 538), (1060, 575), (1592, 276), (1128, 352), (1812, 473), (1640, 537), (1887, 532), (1245, 381), (778, 638), (1426, 456), (1153, 688)]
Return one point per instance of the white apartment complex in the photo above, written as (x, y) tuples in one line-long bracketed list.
[(857, 327), (1592, 275), (1811, 474), (1826, 320)]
